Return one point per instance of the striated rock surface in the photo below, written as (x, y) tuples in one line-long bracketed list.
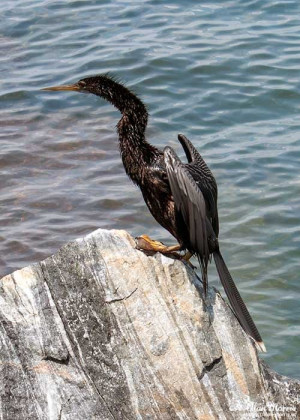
[(102, 331)]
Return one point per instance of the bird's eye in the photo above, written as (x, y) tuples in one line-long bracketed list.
[(82, 84)]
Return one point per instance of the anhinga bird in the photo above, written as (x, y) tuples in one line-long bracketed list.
[(182, 197)]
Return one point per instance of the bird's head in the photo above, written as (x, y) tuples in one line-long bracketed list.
[(108, 88), (101, 85)]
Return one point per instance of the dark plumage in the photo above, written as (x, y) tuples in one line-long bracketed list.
[(182, 197)]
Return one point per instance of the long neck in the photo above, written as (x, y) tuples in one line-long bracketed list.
[(136, 152)]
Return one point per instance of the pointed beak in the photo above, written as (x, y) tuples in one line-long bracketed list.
[(74, 87)]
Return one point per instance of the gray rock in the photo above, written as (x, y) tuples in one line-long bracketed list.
[(102, 331)]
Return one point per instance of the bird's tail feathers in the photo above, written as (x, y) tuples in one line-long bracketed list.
[(237, 302)]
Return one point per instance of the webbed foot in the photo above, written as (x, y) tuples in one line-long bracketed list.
[(145, 243)]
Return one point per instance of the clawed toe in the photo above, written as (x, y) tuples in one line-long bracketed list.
[(145, 243)]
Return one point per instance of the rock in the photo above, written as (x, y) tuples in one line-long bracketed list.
[(102, 331)]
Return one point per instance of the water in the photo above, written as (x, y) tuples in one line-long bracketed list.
[(224, 73)]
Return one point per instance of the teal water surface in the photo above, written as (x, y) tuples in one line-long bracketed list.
[(224, 73)]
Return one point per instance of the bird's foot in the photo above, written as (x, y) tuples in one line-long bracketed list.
[(144, 243), (186, 257)]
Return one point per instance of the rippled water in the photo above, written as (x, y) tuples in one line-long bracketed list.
[(225, 74)]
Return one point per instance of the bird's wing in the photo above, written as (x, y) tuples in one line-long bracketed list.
[(204, 180), (209, 191), (190, 206), (191, 152)]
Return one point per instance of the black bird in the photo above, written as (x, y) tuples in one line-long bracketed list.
[(182, 197)]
